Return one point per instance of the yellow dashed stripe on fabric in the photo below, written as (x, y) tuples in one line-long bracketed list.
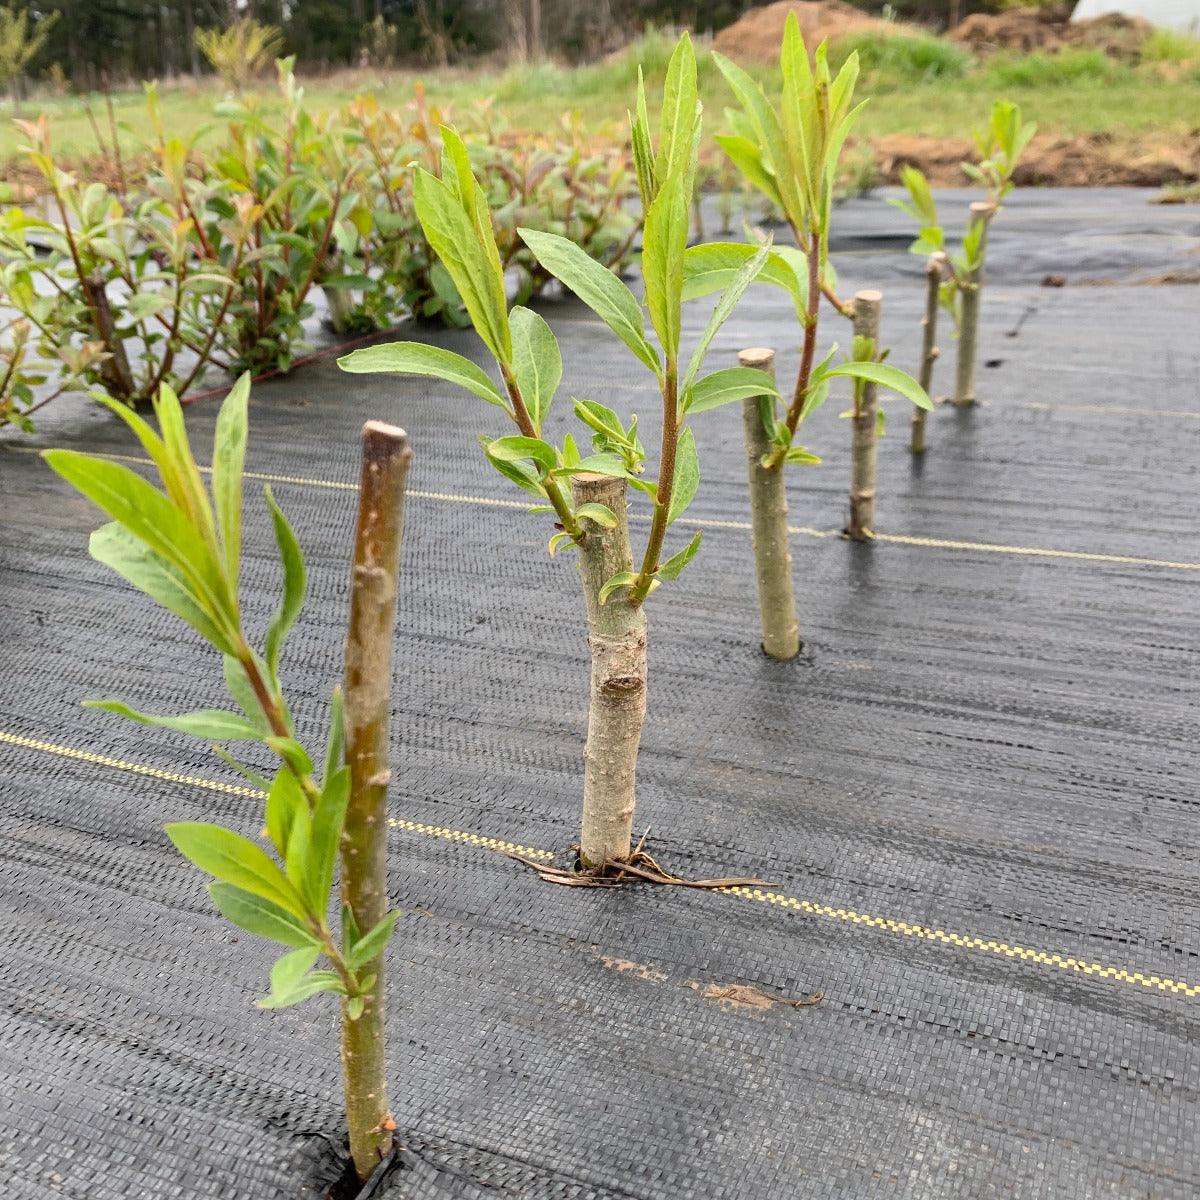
[(238, 789), (897, 539), (962, 941), (967, 942), (119, 764), (900, 539), (472, 839)]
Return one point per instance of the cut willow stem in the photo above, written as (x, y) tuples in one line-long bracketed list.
[(617, 710), (935, 268), (968, 329), (769, 525), (115, 370), (864, 443), (385, 458)]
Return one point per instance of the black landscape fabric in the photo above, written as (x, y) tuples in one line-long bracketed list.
[(974, 797)]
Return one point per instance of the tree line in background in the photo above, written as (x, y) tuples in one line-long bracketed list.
[(94, 40), (87, 44)]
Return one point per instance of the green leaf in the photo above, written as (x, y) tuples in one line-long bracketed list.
[(622, 579), (350, 933), (677, 128), (600, 513), (733, 292), (328, 819), (211, 724), (931, 240), (891, 378), (371, 944), (664, 242), (453, 234), (263, 785), (643, 151), (415, 358), (259, 916), (675, 564), (286, 803), (597, 287), (292, 753), (728, 385), (291, 968), (537, 362), (748, 159), (335, 746), (310, 985), (121, 551), (924, 207), (295, 583), (772, 176), (517, 449), (799, 455), (520, 473), (151, 443), (712, 266), (234, 859), (601, 418), (605, 463), (147, 514), (192, 498), (229, 458), (687, 476), (355, 1007), (238, 684)]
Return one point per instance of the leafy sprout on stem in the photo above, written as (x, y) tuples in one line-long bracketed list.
[(181, 546), (454, 215)]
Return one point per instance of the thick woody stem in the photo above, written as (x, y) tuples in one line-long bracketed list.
[(863, 422), (385, 458), (934, 270), (968, 333), (115, 369), (617, 709), (769, 525)]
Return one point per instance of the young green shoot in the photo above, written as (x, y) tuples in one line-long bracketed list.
[(790, 154), (1000, 146), (182, 547), (565, 481)]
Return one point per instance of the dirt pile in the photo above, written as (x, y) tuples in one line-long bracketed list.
[(757, 35), (1027, 29), (1086, 160)]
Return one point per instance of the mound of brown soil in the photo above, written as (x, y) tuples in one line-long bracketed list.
[(1026, 29), (1086, 160), (757, 35)]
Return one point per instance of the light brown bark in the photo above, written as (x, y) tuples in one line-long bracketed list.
[(769, 526), (385, 459), (617, 709), (935, 268), (968, 332), (864, 443)]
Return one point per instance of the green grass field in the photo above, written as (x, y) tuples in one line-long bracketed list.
[(921, 86)]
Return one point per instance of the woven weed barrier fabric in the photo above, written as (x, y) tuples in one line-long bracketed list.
[(974, 796)]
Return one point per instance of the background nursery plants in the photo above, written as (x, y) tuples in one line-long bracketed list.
[(213, 258)]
